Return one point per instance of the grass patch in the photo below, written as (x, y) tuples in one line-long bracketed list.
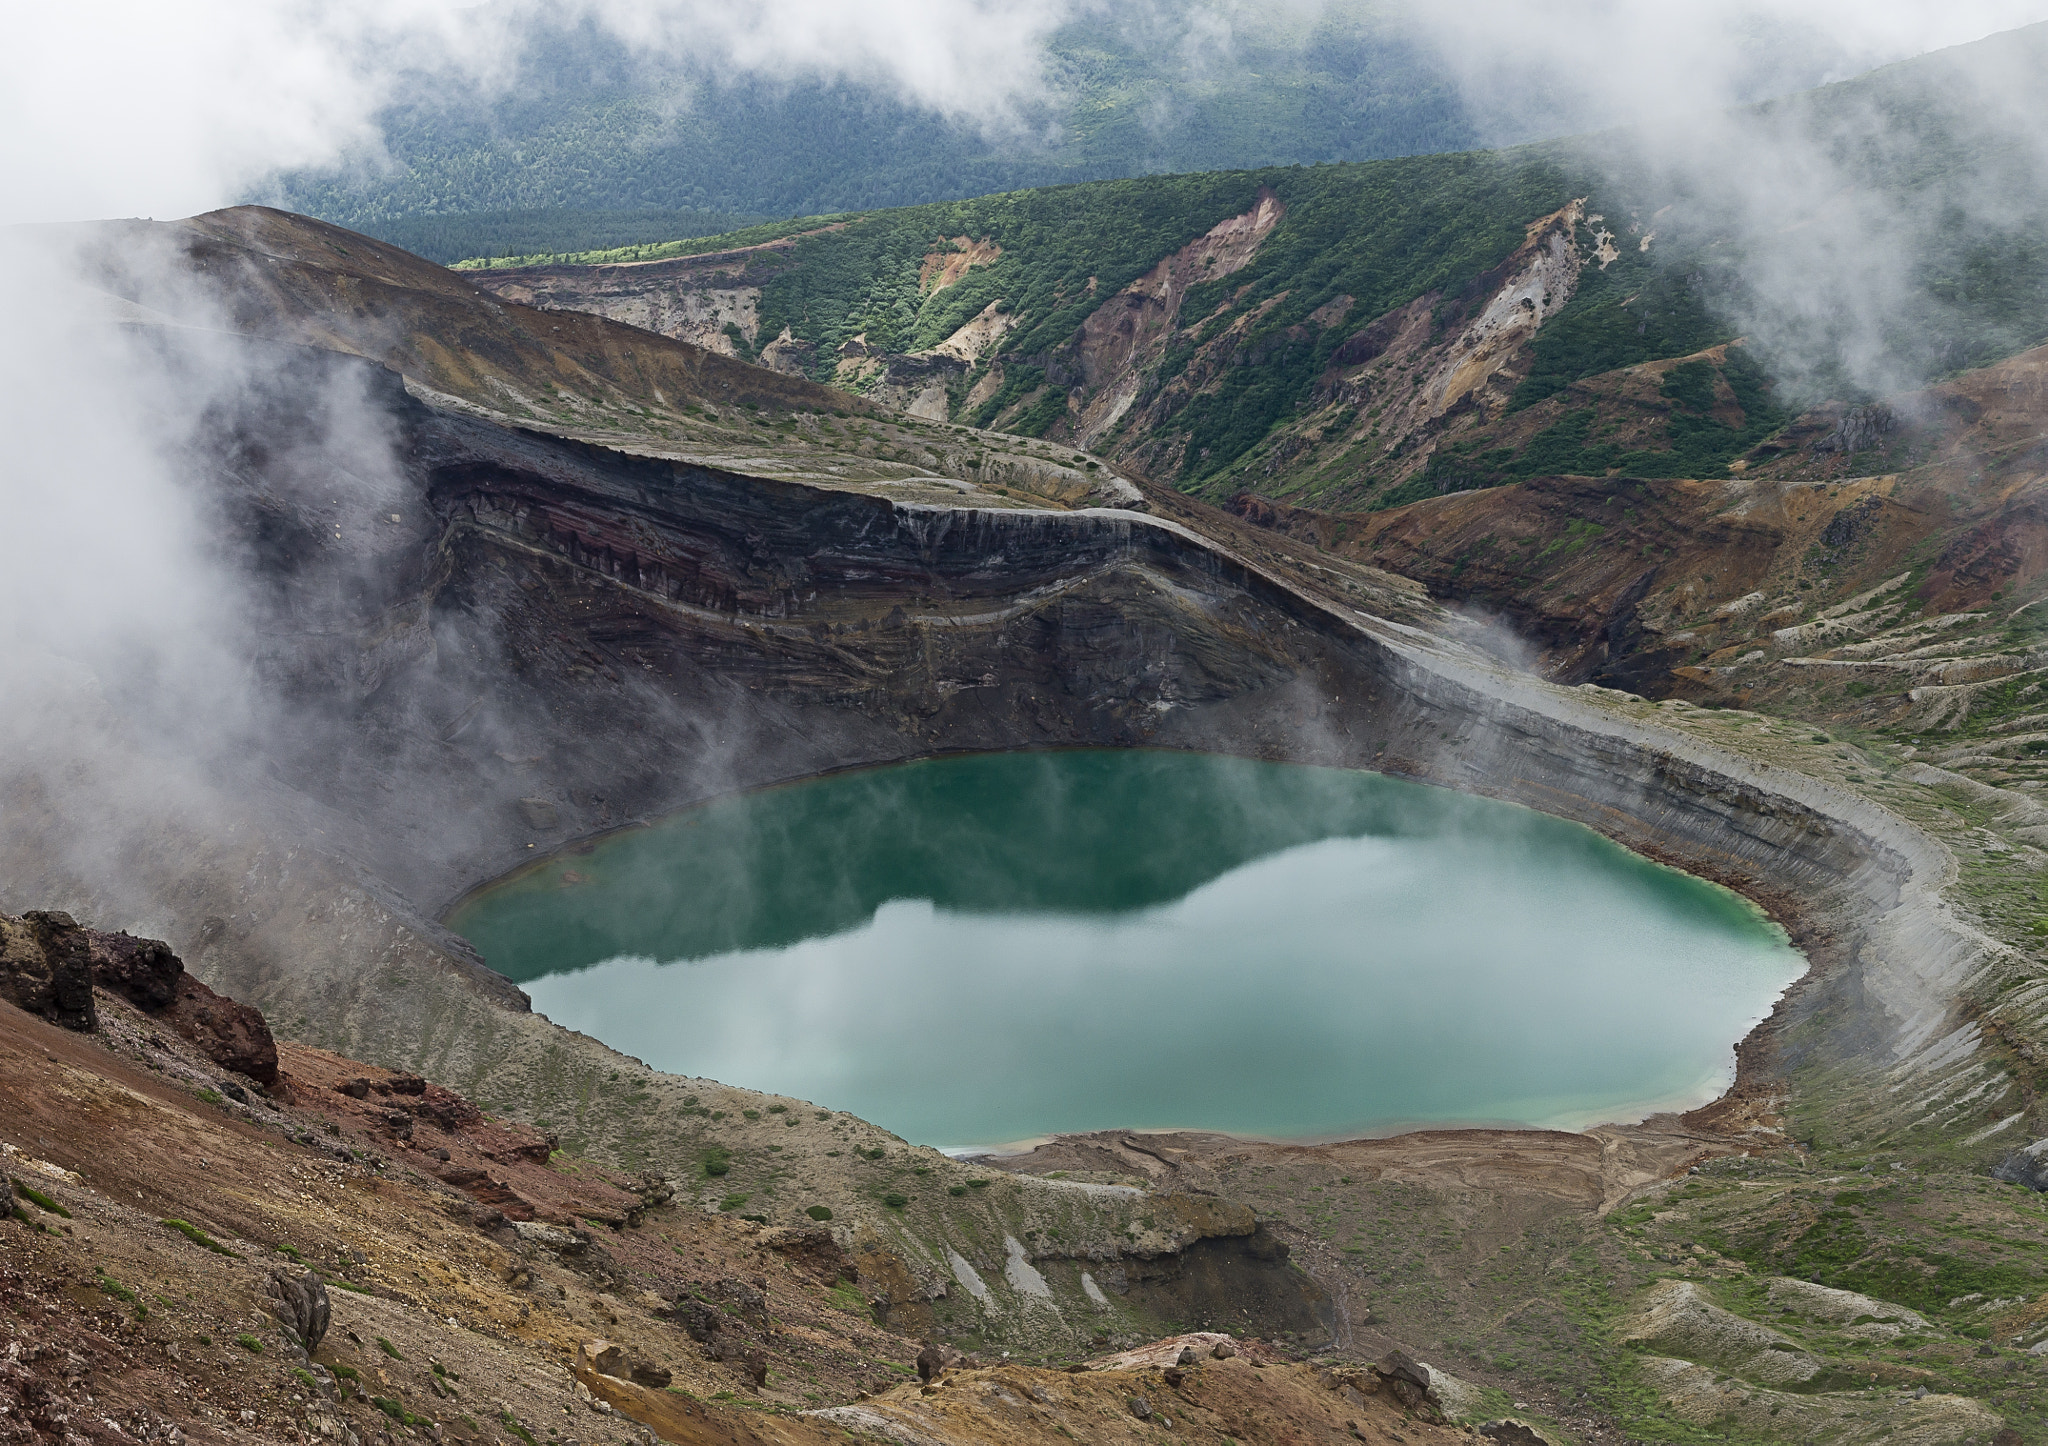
[(120, 1292), (397, 1412), (389, 1349), (511, 1423), (249, 1343), (38, 1199), (199, 1237)]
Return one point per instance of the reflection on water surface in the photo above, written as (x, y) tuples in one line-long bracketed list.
[(976, 950)]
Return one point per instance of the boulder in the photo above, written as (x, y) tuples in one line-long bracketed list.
[(142, 971), (700, 1320), (935, 1359), (299, 1301), (46, 968), (817, 1251), (233, 1035)]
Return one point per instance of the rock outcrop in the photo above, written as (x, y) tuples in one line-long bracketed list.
[(46, 967), (49, 966)]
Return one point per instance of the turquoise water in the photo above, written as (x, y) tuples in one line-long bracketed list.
[(978, 950)]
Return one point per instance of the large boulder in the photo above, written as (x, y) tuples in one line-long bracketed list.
[(300, 1302), (46, 968)]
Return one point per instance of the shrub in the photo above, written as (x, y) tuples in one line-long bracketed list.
[(956, 1189), (389, 1349), (249, 1343), (818, 1212), (895, 1201), (733, 1202), (717, 1159), (977, 1184)]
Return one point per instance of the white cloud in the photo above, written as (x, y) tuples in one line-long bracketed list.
[(166, 107)]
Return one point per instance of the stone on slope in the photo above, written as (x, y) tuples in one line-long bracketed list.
[(300, 1302)]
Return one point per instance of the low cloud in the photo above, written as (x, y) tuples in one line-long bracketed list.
[(121, 107)]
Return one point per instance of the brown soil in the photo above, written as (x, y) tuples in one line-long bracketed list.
[(115, 1326)]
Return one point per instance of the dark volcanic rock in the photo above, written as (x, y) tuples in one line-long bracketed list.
[(300, 1302), (701, 1321), (142, 971), (46, 968), (147, 974), (816, 1251)]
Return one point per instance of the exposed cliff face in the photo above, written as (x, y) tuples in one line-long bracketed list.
[(1395, 385)]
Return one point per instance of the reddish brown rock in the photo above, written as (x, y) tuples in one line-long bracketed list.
[(147, 974)]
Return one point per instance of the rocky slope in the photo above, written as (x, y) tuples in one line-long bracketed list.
[(349, 1255)]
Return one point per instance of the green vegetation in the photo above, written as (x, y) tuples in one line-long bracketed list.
[(513, 237), (716, 1160), (249, 1343), (38, 1199), (120, 1292), (397, 1412), (1697, 443), (347, 1373), (818, 1212), (895, 1200), (511, 1423), (199, 1237), (592, 147), (389, 1349)]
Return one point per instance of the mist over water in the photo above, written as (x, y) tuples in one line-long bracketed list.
[(980, 950)]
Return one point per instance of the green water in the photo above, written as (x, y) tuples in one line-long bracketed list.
[(985, 949)]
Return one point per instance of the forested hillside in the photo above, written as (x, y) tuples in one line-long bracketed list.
[(1365, 334), (591, 135)]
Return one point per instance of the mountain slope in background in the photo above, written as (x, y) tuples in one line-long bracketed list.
[(592, 129), (1362, 335)]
